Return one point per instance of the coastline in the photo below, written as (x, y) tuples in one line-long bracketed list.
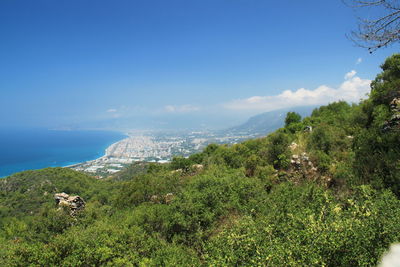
[(104, 165), (105, 155), (44, 148)]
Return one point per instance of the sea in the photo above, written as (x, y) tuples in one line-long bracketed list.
[(30, 149)]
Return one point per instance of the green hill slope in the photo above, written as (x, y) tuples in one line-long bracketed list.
[(321, 191)]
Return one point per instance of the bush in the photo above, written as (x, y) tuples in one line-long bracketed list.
[(322, 160), (306, 226), (278, 153)]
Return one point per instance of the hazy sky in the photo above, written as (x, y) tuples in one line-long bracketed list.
[(73, 61)]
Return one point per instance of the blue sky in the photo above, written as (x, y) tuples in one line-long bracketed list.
[(71, 62)]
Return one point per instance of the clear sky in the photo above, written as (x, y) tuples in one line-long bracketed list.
[(71, 62)]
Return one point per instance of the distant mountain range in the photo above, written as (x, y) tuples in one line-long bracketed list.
[(267, 122), (257, 125)]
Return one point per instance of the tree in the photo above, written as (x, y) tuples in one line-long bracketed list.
[(381, 28), (292, 117), (278, 152), (376, 146)]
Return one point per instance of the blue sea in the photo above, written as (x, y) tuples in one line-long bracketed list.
[(29, 149)]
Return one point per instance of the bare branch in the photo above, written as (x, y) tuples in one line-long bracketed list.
[(380, 31)]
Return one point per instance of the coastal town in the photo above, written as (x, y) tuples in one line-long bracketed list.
[(152, 147)]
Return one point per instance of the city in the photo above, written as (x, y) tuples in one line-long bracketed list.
[(158, 147)]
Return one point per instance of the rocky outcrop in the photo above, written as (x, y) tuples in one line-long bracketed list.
[(395, 104), (73, 203), (194, 169), (197, 167), (293, 146), (394, 122), (302, 166), (299, 161), (168, 198), (308, 129), (162, 199), (155, 199)]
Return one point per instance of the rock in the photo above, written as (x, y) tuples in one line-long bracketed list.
[(295, 161), (73, 203), (155, 199), (330, 182), (395, 104), (60, 196), (198, 167), (293, 146), (76, 203), (394, 122), (395, 117), (308, 129), (314, 169), (168, 198)]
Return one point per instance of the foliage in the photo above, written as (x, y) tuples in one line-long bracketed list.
[(306, 226), (377, 151), (325, 196), (134, 170)]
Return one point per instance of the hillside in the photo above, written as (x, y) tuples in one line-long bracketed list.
[(267, 122), (320, 191)]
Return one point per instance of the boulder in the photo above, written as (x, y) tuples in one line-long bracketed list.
[(295, 161), (308, 129), (304, 156), (198, 167), (168, 198), (155, 199), (60, 196), (73, 203), (395, 104)]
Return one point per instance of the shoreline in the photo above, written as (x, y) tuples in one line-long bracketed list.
[(93, 144), (104, 156)]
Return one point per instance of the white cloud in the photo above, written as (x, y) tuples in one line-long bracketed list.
[(359, 60), (352, 90), (181, 109), (111, 110), (350, 75)]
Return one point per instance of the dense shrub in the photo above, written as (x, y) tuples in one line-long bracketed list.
[(250, 204)]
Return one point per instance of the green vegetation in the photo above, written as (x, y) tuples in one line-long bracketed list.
[(322, 191)]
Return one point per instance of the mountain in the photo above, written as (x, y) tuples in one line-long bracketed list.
[(326, 197), (267, 122), (165, 122)]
